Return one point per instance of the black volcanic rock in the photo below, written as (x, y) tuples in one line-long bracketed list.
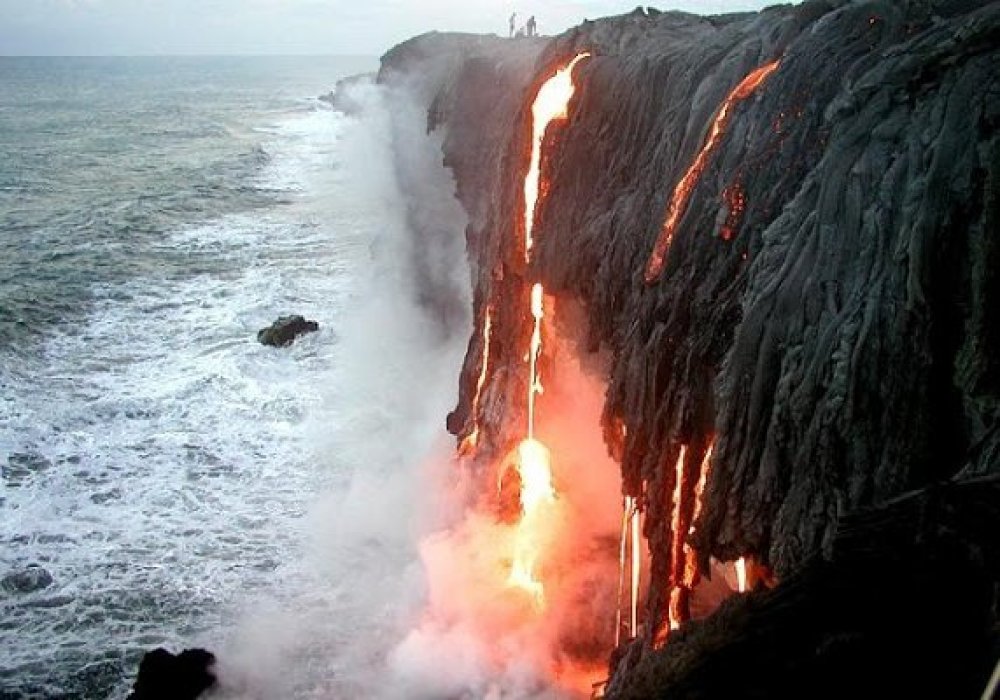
[(166, 676), (285, 330)]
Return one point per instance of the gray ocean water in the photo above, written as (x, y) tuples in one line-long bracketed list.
[(154, 213)]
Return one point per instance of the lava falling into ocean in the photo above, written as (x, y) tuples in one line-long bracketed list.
[(685, 186), (525, 578)]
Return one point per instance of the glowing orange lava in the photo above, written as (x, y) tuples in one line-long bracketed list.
[(690, 556), (622, 549), (551, 104), (629, 552), (534, 466), (636, 565), (676, 529), (683, 189), (468, 444), (534, 381), (683, 565), (736, 203)]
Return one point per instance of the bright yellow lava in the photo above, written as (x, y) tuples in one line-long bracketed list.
[(534, 466), (551, 103), (533, 461)]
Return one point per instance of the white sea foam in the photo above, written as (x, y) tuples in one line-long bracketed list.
[(391, 384)]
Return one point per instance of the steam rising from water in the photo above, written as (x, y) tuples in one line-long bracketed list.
[(356, 590)]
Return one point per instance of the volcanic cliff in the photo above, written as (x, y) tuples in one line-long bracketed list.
[(807, 375)]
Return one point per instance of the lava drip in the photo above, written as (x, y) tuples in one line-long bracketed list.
[(468, 444), (685, 186), (741, 574), (630, 565)]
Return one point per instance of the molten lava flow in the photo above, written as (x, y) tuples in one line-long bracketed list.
[(534, 382), (622, 548), (550, 104), (631, 543), (535, 469), (468, 444), (690, 556), (683, 189), (677, 533), (533, 463), (636, 564), (683, 566), (676, 528)]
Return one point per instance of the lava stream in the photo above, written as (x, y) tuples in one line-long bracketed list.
[(551, 104), (636, 564), (534, 466), (534, 381), (533, 461), (684, 187)]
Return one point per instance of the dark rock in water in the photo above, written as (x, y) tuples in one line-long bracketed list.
[(343, 97), (33, 578), (286, 329), (21, 466), (165, 676), (106, 496)]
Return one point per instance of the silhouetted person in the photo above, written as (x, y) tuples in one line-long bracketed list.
[(532, 27), (513, 21)]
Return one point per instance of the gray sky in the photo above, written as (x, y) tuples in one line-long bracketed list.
[(365, 27)]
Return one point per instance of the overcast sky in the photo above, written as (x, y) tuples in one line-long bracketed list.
[(359, 27)]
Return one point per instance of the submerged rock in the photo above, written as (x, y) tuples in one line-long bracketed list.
[(166, 676), (33, 578), (285, 330)]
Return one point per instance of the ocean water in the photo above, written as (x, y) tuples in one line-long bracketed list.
[(181, 483)]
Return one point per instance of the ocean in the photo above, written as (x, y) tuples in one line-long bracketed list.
[(180, 483)]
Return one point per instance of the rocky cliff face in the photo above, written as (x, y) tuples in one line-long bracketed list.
[(825, 317)]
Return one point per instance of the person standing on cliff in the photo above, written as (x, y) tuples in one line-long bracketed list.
[(512, 21), (532, 27)]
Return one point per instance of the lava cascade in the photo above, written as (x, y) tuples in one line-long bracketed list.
[(533, 459)]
